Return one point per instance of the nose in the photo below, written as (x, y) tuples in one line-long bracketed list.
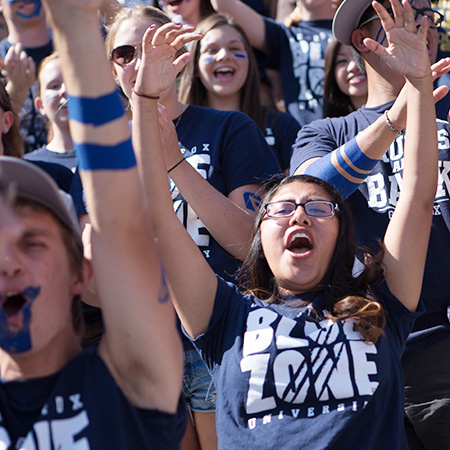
[(223, 53), (352, 66), (300, 217), (10, 264), (62, 90)]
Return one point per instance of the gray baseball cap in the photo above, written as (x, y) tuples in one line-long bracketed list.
[(31, 182), (347, 18)]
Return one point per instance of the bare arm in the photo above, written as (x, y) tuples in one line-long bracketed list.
[(376, 138), (247, 18), (141, 346), (228, 219), (190, 277), (406, 239)]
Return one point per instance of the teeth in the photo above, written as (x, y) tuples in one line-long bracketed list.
[(300, 236), (224, 70), (12, 294)]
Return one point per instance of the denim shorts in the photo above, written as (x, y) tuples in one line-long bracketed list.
[(198, 385)]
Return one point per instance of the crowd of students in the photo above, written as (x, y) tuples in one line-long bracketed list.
[(157, 199)]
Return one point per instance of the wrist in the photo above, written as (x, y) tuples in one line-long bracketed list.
[(392, 125)]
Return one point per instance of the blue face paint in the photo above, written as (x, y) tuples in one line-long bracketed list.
[(240, 55), (18, 341), (208, 59), (34, 13), (252, 201)]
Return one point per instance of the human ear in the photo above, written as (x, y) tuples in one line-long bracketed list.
[(358, 37), (80, 280)]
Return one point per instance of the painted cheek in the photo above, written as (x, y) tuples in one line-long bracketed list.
[(18, 340), (240, 55), (208, 59), (51, 95)]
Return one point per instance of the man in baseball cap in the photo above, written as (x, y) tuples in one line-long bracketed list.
[(372, 184)]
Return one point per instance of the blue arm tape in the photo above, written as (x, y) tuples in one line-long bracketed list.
[(100, 157), (358, 171), (96, 111)]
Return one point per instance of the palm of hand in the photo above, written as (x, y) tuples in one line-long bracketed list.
[(407, 53)]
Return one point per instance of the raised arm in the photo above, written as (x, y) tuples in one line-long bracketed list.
[(347, 166), (247, 18), (190, 277), (228, 219), (406, 238), (141, 346)]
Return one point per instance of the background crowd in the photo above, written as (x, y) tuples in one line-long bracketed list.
[(237, 111)]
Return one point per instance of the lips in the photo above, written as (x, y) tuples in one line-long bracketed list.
[(224, 73)]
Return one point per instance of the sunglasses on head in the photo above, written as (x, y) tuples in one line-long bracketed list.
[(124, 54), (435, 18)]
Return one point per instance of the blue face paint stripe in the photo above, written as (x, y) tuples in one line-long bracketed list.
[(18, 341), (239, 55)]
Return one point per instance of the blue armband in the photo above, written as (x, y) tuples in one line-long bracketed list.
[(103, 157), (96, 111), (345, 168)]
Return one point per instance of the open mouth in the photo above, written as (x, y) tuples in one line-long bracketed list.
[(224, 73), (175, 2), (13, 304), (300, 243)]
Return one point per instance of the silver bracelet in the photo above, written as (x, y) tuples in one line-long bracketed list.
[(400, 133)]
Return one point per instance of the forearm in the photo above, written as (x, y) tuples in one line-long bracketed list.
[(229, 224)]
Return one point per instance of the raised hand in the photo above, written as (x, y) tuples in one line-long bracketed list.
[(160, 64), (406, 52)]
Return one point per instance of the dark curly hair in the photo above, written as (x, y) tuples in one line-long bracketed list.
[(346, 295)]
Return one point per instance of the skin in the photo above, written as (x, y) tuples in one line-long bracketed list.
[(349, 78), (52, 103), (299, 271), (31, 261), (223, 49), (189, 10)]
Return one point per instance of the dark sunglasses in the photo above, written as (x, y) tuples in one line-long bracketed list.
[(124, 55)]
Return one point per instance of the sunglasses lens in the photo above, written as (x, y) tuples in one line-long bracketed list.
[(123, 55)]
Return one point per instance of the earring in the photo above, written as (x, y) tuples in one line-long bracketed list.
[(5, 130)]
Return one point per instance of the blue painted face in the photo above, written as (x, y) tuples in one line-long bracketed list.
[(18, 341), (34, 13)]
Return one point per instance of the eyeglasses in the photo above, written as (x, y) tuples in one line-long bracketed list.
[(313, 208), (124, 55), (435, 18)]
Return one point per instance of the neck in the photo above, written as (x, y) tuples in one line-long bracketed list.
[(42, 363), (34, 36), (61, 141), (230, 103), (382, 89), (357, 102), (325, 12)]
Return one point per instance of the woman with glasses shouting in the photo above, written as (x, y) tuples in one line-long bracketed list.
[(309, 356)]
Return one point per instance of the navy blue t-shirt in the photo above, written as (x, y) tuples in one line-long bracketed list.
[(281, 133), (287, 378), (298, 54), (229, 151), (81, 407), (373, 203)]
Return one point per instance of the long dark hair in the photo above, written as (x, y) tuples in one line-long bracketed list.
[(335, 102), (345, 295), (12, 140), (191, 89)]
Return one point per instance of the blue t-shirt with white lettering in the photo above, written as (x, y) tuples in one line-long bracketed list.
[(373, 203), (287, 378), (81, 407), (229, 151), (298, 52)]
